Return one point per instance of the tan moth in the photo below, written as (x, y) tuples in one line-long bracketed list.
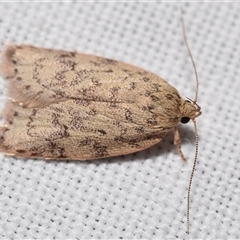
[(66, 105)]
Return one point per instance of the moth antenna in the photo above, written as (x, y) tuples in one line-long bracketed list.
[(190, 55), (192, 173), (194, 121)]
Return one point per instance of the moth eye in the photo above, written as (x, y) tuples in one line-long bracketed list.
[(188, 101), (185, 120)]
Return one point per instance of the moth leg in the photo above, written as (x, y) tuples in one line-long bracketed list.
[(177, 142)]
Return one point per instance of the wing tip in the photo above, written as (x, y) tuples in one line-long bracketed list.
[(2, 146), (7, 68)]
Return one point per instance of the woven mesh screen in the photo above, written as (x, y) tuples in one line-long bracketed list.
[(142, 195)]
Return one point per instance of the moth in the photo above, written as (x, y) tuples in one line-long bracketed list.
[(66, 105)]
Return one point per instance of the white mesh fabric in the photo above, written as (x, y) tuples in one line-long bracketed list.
[(141, 195)]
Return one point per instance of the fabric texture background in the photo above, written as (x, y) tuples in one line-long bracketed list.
[(141, 195)]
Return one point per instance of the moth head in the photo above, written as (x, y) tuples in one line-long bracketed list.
[(189, 110)]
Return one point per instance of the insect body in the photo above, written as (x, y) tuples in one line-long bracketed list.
[(66, 105)]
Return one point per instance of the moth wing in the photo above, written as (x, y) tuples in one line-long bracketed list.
[(38, 77), (70, 130)]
